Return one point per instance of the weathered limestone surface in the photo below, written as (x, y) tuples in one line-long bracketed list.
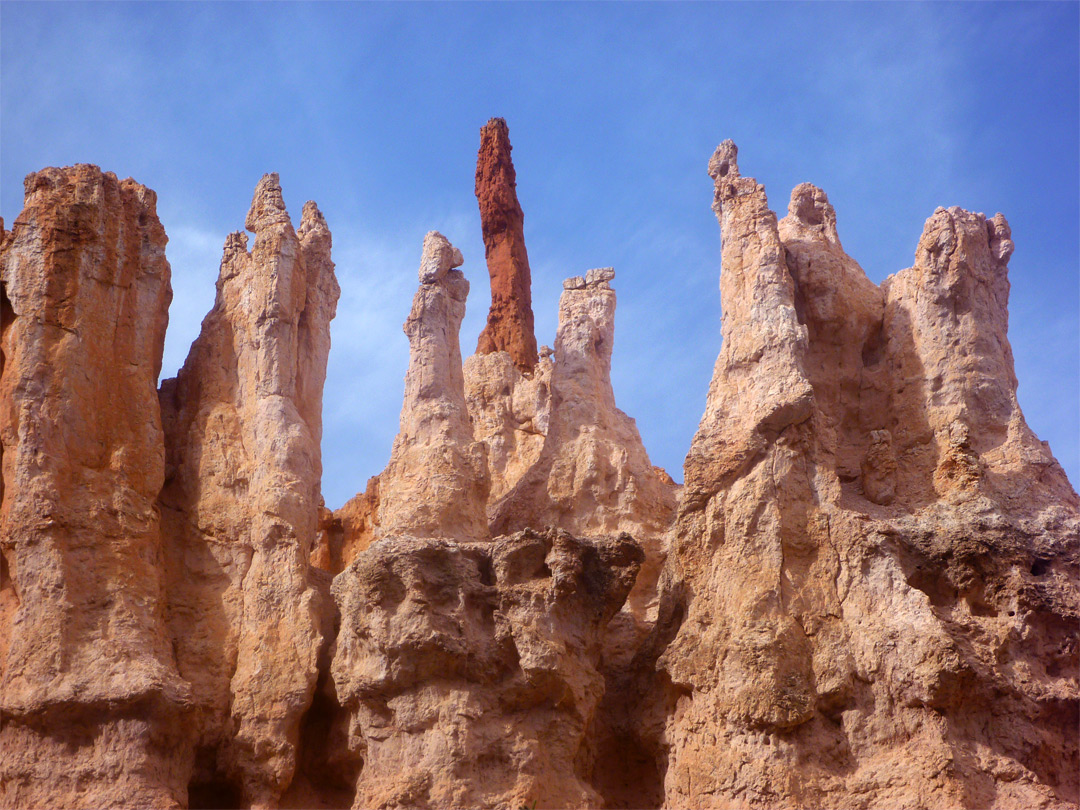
[(593, 476), (510, 412), (865, 594), (90, 696), (862, 610), (469, 672), (241, 501), (510, 320), (437, 482)]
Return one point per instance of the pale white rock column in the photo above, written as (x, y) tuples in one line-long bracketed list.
[(436, 483)]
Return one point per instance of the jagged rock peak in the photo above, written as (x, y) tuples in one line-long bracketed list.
[(862, 472), (438, 258), (510, 320), (810, 211), (312, 220), (243, 421), (267, 204)]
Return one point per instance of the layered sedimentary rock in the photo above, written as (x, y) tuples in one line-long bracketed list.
[(510, 320), (470, 671), (436, 483), (593, 476), (90, 697), (240, 506), (862, 612), (510, 412), (865, 595), (507, 387)]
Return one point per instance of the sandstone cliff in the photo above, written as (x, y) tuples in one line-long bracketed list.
[(89, 689), (864, 595), (241, 498), (862, 605)]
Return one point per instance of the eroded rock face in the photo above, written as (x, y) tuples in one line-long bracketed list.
[(859, 607), (593, 476), (240, 506), (510, 320), (470, 671), (436, 483), (90, 697), (865, 595), (510, 413)]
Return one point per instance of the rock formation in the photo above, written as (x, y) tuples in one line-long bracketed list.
[(241, 500), (864, 595), (593, 476), (90, 696), (470, 671), (507, 388), (510, 320), (510, 413), (436, 483), (860, 606)]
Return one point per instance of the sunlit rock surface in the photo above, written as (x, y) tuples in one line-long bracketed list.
[(864, 594)]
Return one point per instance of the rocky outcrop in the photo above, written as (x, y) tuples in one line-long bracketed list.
[(240, 506), (470, 671), (865, 594), (510, 320), (436, 483), (510, 413), (593, 476), (90, 697), (859, 607)]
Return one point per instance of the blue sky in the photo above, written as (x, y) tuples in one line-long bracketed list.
[(614, 109)]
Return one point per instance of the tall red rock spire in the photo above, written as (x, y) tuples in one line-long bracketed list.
[(510, 320)]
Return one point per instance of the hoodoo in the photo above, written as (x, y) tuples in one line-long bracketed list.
[(510, 319), (865, 593)]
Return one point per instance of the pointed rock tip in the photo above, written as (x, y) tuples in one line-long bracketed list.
[(267, 204), (724, 162), (495, 137), (312, 218), (496, 126), (439, 257)]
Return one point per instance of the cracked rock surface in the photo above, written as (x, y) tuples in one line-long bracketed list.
[(863, 595)]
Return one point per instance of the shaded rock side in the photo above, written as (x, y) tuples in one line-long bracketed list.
[(510, 412), (843, 624), (469, 672), (510, 320), (436, 483), (240, 507), (88, 680)]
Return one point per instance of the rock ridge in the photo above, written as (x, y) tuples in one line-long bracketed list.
[(865, 593)]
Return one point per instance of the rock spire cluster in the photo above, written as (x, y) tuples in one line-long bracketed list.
[(864, 594)]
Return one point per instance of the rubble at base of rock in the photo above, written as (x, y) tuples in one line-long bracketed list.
[(863, 595)]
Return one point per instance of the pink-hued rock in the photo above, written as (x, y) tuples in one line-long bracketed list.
[(241, 501), (592, 476), (90, 696), (469, 672), (865, 594)]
